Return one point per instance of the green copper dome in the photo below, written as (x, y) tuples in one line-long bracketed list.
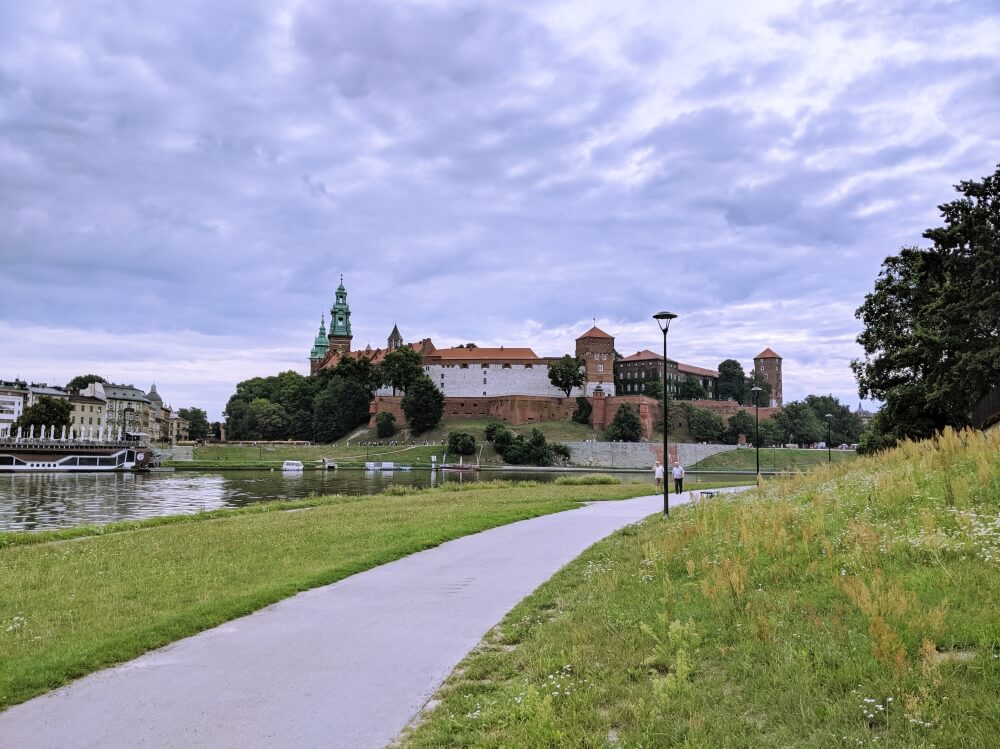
[(321, 345)]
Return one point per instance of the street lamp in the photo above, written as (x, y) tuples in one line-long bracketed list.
[(756, 390), (829, 432), (663, 320)]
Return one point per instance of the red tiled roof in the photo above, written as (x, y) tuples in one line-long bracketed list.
[(595, 332), (690, 369), (644, 355), (767, 353), (482, 354)]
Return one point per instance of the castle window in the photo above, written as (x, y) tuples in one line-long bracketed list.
[(463, 366), (484, 392), (506, 366), (484, 380), (600, 367), (486, 366), (529, 366)]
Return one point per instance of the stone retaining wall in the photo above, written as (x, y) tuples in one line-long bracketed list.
[(638, 454)]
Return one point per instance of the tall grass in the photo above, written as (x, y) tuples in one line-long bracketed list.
[(857, 606)]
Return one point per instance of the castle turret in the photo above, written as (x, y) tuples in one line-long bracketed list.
[(597, 351), (767, 365), (395, 338), (320, 346), (340, 321)]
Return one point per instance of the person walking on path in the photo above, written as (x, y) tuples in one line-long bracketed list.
[(658, 474), (678, 478)]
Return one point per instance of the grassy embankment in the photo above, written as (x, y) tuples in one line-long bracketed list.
[(772, 459), (231, 456), (115, 591), (856, 606)]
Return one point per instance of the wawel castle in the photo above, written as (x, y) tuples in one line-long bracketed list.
[(474, 374)]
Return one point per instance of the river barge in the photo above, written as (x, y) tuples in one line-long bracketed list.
[(57, 455)]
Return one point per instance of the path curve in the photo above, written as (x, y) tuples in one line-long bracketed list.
[(344, 665)]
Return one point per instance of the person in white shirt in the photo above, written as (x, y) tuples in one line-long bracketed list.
[(678, 477), (658, 474)]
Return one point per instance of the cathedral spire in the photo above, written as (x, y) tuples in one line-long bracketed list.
[(340, 321)]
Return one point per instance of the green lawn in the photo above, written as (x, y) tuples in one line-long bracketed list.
[(856, 606), (69, 607), (772, 459)]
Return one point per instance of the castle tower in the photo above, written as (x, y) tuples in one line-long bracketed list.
[(320, 346), (767, 365), (395, 338), (340, 321), (597, 351)]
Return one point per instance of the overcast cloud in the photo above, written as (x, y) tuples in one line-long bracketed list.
[(181, 184)]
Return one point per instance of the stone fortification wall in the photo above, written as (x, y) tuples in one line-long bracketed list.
[(494, 379), (725, 409), (639, 455)]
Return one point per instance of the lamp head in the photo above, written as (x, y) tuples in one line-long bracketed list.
[(663, 319), (828, 416)]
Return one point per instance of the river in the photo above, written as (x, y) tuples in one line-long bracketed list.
[(43, 501)]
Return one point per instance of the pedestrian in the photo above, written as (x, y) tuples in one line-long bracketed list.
[(678, 478), (658, 474)]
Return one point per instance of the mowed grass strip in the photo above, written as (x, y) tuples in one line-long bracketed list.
[(858, 606), (69, 607), (773, 459)]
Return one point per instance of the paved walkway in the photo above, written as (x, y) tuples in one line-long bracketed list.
[(345, 665)]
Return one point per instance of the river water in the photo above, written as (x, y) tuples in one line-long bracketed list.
[(43, 501)]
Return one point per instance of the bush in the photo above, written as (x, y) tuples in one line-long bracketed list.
[(561, 451), (385, 424), (515, 449), (502, 438), (587, 480), (423, 405), (625, 427), (705, 425), (583, 410), (461, 443), (492, 429)]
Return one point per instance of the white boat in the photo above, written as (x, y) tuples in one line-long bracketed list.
[(73, 456), (292, 465)]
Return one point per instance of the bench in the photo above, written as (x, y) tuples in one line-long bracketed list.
[(709, 492)]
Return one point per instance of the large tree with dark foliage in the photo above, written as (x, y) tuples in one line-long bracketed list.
[(46, 412), (81, 381), (342, 405), (401, 368), (423, 405), (845, 426), (197, 419), (932, 325), (566, 374), (626, 425), (691, 389), (732, 381)]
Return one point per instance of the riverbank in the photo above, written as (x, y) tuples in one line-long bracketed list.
[(855, 606), (118, 590)]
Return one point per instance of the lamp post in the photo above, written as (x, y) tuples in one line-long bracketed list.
[(829, 433), (663, 320), (756, 390)]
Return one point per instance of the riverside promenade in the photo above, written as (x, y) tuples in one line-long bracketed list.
[(346, 665)]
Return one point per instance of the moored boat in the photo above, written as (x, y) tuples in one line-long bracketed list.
[(66, 455)]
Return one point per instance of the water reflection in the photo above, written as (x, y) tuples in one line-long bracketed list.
[(37, 501)]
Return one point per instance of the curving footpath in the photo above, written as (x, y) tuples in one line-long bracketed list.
[(345, 665)]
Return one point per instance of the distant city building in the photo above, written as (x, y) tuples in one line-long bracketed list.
[(12, 397), (88, 416), (128, 409), (635, 371)]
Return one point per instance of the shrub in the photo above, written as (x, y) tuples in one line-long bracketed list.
[(461, 443), (583, 410), (625, 427), (492, 429), (385, 424)]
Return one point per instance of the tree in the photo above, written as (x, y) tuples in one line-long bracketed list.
[(198, 426), (270, 420), (845, 426), (705, 425), (770, 432), (492, 429), (342, 405), (385, 424), (691, 389), (931, 333), (799, 424), (81, 381), (763, 397), (743, 423), (732, 381), (423, 405), (653, 388), (401, 368), (46, 412), (625, 426), (360, 370), (583, 410), (461, 443), (566, 374)]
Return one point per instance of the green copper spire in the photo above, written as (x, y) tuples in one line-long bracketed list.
[(340, 314), (321, 345)]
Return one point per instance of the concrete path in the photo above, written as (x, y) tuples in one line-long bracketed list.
[(345, 665)]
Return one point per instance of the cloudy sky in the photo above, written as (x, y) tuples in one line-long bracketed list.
[(182, 183)]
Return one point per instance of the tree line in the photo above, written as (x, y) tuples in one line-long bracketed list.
[(331, 403)]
